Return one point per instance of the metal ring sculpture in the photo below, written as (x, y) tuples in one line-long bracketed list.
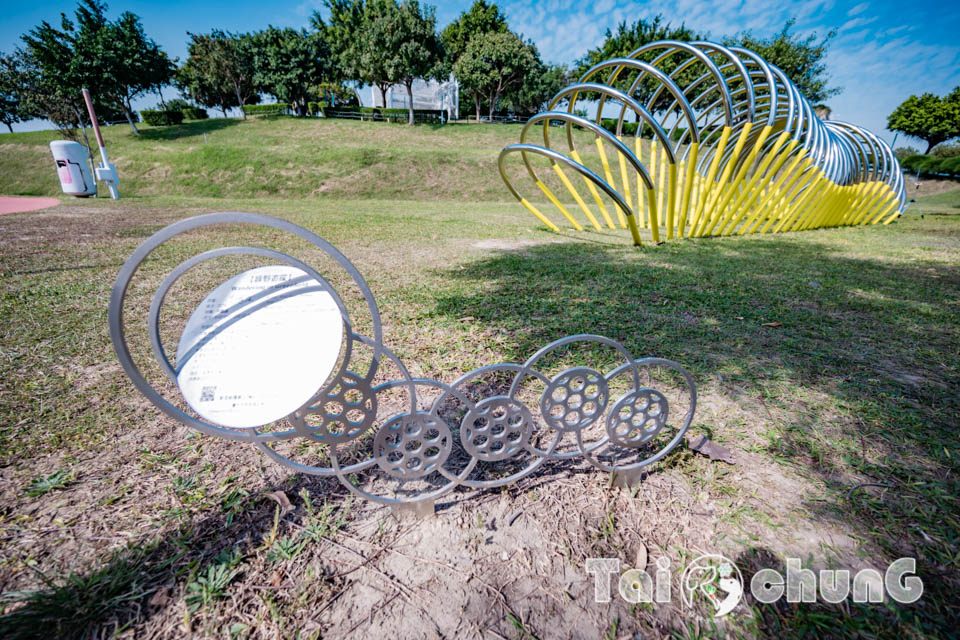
[(442, 435), (730, 147)]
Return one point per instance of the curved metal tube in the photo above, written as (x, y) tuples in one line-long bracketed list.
[(725, 138)]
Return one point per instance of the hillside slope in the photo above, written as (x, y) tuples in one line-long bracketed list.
[(287, 157)]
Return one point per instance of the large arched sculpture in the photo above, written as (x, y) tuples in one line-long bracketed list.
[(726, 144)]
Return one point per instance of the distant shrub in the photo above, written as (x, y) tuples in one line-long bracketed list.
[(194, 113), (610, 124), (343, 111), (403, 115), (316, 108), (379, 113), (931, 165), (951, 166), (161, 118), (177, 104), (267, 109), (944, 150), (903, 152), (395, 115)]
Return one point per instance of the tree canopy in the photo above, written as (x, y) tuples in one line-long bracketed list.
[(495, 63), (13, 109), (219, 71), (931, 118), (542, 82), (482, 17), (115, 60), (288, 62), (415, 47)]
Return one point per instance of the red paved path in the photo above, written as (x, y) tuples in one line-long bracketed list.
[(16, 204)]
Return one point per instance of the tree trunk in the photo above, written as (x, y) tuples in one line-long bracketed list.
[(383, 94), (9, 126), (162, 103), (476, 102), (129, 116), (410, 98), (493, 104), (240, 101), (224, 109), (930, 145)]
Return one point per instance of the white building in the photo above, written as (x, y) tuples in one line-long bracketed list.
[(427, 94)]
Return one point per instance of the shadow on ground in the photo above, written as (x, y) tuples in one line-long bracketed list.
[(190, 129), (139, 583), (858, 359)]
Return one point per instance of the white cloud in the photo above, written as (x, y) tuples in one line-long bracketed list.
[(857, 10)]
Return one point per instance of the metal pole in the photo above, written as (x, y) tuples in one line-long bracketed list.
[(106, 172)]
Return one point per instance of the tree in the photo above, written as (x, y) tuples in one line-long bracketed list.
[(115, 60), (415, 47), (495, 63), (375, 44), (928, 117), (39, 98), (343, 37), (137, 64), (288, 62), (801, 59), (222, 63), (541, 84), (481, 18), (13, 109), (193, 83)]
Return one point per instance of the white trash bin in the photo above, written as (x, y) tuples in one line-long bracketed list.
[(73, 168)]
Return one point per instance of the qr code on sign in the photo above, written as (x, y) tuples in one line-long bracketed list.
[(207, 394)]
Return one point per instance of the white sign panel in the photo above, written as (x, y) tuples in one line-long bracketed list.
[(258, 347)]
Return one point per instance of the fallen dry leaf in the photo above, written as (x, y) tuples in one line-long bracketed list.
[(709, 448), (160, 599), (281, 499), (772, 324), (641, 562)]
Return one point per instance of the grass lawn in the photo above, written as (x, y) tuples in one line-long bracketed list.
[(116, 520)]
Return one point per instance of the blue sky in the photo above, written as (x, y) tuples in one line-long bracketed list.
[(884, 50)]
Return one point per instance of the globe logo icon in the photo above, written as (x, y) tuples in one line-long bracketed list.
[(714, 579)]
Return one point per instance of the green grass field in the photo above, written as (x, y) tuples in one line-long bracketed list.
[(115, 521)]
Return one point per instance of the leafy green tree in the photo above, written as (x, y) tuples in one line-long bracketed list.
[(928, 117), (13, 109), (482, 17), (40, 98), (205, 91), (343, 36), (494, 64), (803, 60), (415, 47), (375, 45), (222, 63), (137, 64), (288, 62), (115, 60), (542, 83), (53, 86)]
